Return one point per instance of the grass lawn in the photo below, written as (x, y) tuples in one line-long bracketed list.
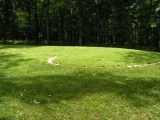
[(91, 83)]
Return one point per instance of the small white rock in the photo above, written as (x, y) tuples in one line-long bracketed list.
[(129, 66)]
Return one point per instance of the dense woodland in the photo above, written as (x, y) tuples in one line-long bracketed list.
[(81, 22)]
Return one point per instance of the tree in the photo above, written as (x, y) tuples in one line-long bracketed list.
[(6, 14), (78, 22)]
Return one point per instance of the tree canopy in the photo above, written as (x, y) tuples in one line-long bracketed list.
[(81, 22)]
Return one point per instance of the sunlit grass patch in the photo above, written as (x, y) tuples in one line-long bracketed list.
[(89, 83)]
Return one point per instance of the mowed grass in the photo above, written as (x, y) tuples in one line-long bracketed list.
[(85, 83)]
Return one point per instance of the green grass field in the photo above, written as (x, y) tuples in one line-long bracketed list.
[(83, 83)]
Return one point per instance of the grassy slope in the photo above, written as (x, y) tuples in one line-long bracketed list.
[(86, 85)]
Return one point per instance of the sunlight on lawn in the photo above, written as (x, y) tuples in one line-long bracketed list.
[(79, 87)]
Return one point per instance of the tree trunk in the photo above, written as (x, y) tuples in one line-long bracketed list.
[(4, 34), (150, 29), (61, 25), (140, 28), (36, 23), (47, 21), (29, 21), (135, 35), (5, 23), (99, 30), (80, 23)]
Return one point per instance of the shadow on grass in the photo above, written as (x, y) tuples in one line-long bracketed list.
[(17, 46), (46, 89), (9, 61), (141, 57), (7, 118), (56, 88)]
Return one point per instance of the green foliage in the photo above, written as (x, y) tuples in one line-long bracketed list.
[(67, 22), (21, 18), (155, 21)]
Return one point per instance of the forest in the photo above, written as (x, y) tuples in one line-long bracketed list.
[(134, 23)]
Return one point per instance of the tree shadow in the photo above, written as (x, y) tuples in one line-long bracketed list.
[(7, 118), (18, 46), (46, 89), (141, 57), (9, 61)]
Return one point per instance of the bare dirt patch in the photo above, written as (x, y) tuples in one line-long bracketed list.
[(50, 60)]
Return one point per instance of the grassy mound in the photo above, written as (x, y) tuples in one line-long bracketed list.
[(86, 83)]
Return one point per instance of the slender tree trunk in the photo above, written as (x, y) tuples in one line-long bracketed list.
[(135, 35), (150, 40), (47, 21), (5, 23), (151, 6), (116, 36), (140, 28), (107, 32), (156, 37), (70, 37), (4, 34), (36, 23), (122, 38), (29, 21), (80, 23), (100, 22), (140, 34), (61, 25)]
